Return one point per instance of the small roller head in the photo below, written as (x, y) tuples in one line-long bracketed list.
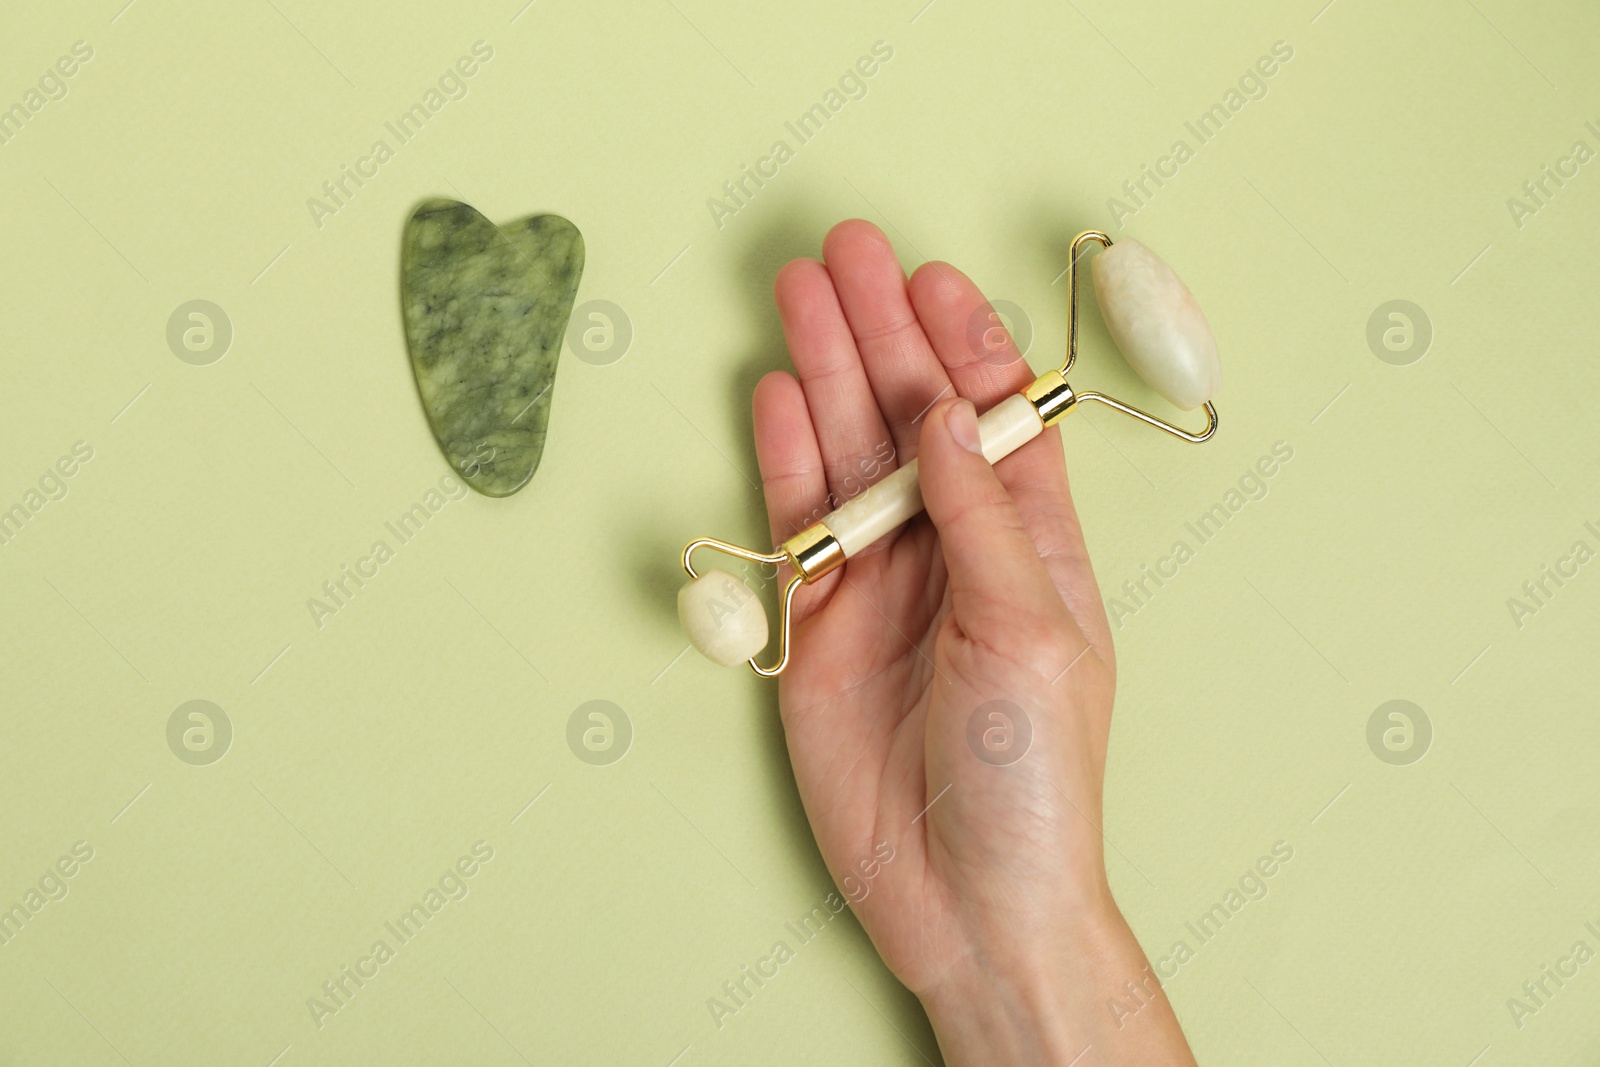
[(723, 618), (1156, 322)]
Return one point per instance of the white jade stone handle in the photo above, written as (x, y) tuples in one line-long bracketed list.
[(1157, 323), (858, 522)]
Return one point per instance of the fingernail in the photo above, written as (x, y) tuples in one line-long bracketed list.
[(962, 418)]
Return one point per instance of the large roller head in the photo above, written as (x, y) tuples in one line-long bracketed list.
[(1156, 322)]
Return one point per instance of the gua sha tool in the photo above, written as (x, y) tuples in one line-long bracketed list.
[(486, 308), (1154, 320)]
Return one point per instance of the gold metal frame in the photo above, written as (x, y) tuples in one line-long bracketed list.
[(815, 552)]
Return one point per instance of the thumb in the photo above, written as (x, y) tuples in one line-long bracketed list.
[(1000, 590)]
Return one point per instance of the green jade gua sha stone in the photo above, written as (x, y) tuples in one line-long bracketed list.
[(486, 309)]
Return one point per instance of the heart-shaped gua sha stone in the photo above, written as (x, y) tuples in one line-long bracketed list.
[(486, 310)]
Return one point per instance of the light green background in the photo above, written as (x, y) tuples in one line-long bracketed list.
[(370, 754)]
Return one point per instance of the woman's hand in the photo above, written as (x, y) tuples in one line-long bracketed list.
[(949, 697)]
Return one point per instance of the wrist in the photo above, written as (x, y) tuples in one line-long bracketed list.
[(1055, 1002)]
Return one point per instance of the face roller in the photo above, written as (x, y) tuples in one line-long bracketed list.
[(1154, 320)]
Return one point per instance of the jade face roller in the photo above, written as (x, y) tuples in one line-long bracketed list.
[(1154, 320)]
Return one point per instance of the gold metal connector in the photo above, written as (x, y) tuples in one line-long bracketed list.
[(1051, 397), (814, 552)]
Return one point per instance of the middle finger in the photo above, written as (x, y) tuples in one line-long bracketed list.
[(855, 443)]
